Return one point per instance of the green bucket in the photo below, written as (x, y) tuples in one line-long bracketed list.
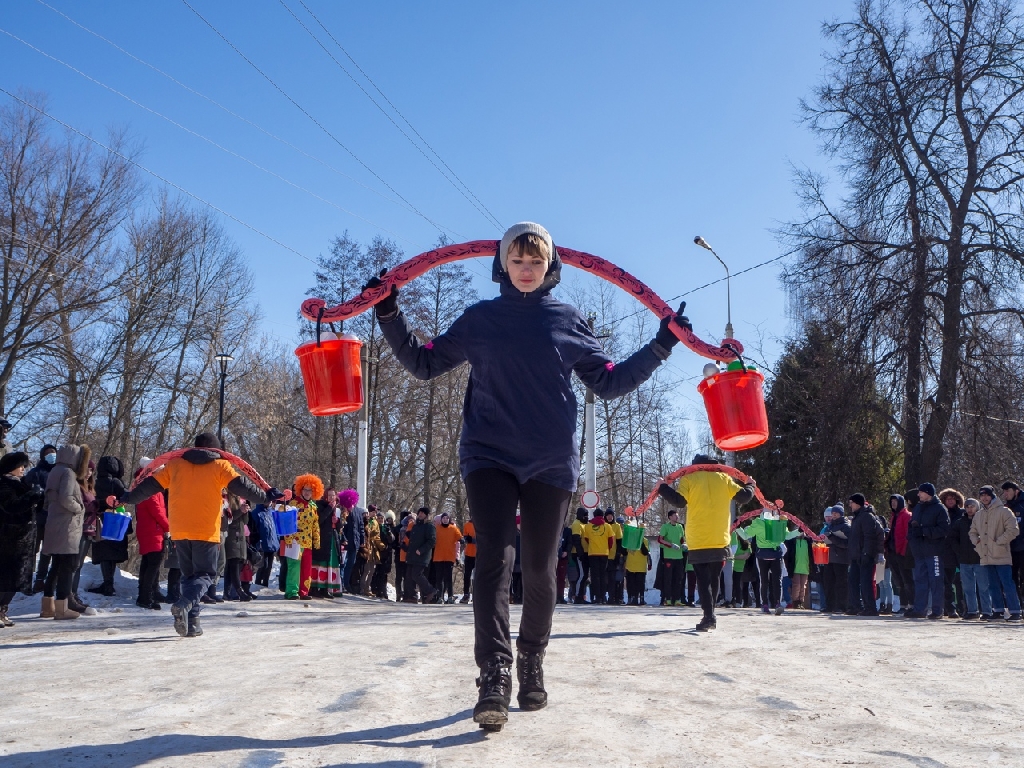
[(775, 530), (632, 536)]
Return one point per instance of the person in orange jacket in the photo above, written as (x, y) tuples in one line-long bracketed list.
[(468, 559), (195, 483), (448, 538)]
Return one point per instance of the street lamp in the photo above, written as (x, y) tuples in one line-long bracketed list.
[(223, 359), (698, 240)]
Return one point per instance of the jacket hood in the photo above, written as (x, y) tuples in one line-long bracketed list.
[(43, 451), (901, 503), (110, 466), (200, 456), (552, 278)]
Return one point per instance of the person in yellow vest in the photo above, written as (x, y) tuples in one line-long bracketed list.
[(638, 563), (615, 558), (707, 495), (599, 541)]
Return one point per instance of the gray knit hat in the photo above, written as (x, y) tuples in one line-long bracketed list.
[(523, 228)]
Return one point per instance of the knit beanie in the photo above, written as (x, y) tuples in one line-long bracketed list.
[(837, 509), (987, 490), (926, 488), (858, 498), (523, 228)]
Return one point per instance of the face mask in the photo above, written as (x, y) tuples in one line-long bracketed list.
[(50, 458)]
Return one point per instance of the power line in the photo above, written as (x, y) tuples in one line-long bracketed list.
[(200, 136), (316, 122), (464, 189), (156, 175), (220, 106)]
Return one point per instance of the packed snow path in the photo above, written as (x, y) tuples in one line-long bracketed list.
[(362, 683)]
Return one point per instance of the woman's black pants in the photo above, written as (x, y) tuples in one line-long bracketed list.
[(149, 575), (58, 580), (493, 497), (771, 581)]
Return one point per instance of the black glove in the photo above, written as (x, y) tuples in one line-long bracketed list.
[(387, 307), (665, 338), (273, 494)]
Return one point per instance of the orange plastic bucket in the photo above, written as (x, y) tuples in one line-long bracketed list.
[(819, 551), (332, 375), (735, 404)]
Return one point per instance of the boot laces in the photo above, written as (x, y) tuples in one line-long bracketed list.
[(495, 677), (529, 667)]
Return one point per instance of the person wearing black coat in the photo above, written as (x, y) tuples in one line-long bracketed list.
[(418, 556), (18, 504), (37, 477), (835, 575), (866, 544), (107, 554), (354, 533), (929, 524), (952, 590)]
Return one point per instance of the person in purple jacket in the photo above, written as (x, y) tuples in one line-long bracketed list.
[(519, 448)]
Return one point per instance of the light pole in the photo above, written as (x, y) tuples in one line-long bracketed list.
[(698, 240), (223, 358)]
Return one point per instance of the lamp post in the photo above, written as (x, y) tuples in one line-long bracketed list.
[(698, 240), (223, 358)]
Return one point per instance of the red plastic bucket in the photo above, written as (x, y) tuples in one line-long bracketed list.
[(332, 375), (819, 551), (735, 404)]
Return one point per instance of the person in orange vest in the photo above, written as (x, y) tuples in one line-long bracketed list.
[(194, 483), (468, 559), (448, 538)]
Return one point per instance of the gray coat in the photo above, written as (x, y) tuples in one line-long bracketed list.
[(65, 508)]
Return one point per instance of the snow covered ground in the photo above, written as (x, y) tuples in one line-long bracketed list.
[(363, 683)]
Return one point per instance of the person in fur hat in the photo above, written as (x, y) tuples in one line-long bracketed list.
[(298, 547)]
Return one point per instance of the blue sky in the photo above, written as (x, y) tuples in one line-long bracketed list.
[(626, 129)]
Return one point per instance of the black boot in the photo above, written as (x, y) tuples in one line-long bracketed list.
[(530, 671), (194, 630), (495, 684)]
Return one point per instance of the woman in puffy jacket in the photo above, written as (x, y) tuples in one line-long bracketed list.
[(65, 511), (107, 554), (18, 502)]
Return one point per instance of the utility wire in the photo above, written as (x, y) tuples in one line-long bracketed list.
[(318, 124), (220, 106), (156, 175), (201, 136), (464, 189)]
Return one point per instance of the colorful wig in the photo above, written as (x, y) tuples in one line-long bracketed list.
[(314, 482), (348, 498)]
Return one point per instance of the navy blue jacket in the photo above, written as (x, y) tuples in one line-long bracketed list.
[(262, 520), (929, 525), (1017, 507), (355, 528), (520, 411), (839, 541)]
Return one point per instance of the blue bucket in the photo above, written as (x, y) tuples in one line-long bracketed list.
[(286, 522), (115, 526)]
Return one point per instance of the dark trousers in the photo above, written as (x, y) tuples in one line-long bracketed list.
[(149, 575), (83, 551), (614, 586), (416, 576), (928, 581), (708, 577), (44, 560), (198, 561), (834, 578), (598, 578), (561, 570), (400, 569), (233, 577), (672, 580), (443, 579), (379, 584), (690, 590), (1018, 570), (635, 583), (467, 574), (903, 580), (174, 584), (584, 578), (282, 574), (5, 598), (58, 579), (771, 580), (952, 591), (861, 586), (493, 497), (263, 572)]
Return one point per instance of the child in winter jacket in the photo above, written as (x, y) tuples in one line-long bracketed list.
[(518, 447), (298, 547), (151, 530)]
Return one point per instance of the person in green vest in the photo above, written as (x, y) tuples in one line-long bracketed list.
[(769, 533), (740, 554), (799, 567), (670, 537)]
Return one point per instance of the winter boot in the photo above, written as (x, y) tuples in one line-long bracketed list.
[(38, 585), (5, 620), (530, 671), (61, 610), (76, 605), (707, 624), (194, 629), (180, 619), (495, 684), (47, 609)]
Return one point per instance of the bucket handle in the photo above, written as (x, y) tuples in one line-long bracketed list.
[(728, 346), (319, 320)]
